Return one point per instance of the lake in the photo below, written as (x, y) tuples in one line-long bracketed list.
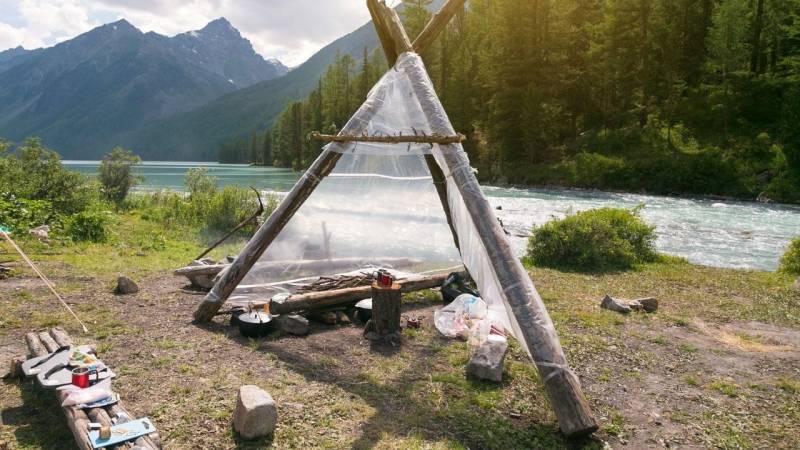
[(710, 232)]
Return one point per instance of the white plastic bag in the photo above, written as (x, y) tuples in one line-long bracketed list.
[(456, 319), (78, 396)]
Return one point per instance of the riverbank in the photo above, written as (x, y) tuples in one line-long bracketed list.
[(717, 366)]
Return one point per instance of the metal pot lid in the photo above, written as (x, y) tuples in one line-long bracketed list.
[(280, 298), (365, 304), (255, 317)]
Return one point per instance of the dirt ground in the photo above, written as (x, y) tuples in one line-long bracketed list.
[(685, 377)]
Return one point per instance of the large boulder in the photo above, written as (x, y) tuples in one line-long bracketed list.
[(487, 361), (126, 286), (256, 413)]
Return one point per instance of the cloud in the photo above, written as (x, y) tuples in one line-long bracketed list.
[(290, 30)]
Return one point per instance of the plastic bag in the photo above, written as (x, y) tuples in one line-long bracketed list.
[(78, 396), (456, 319)]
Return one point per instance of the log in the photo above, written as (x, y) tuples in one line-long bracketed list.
[(61, 337), (391, 20), (529, 314), (265, 235), (412, 139), (48, 342), (338, 297), (271, 268), (386, 309), (437, 24), (78, 423), (35, 347)]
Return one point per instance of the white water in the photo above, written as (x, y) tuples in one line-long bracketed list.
[(714, 233)]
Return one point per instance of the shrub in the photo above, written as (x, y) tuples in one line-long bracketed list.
[(34, 172), (596, 240), (116, 174), (790, 262), (88, 226), (20, 215), (199, 182)]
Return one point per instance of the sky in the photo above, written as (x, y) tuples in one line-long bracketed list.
[(290, 30)]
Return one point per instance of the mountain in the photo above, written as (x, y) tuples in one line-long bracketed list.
[(83, 95), (198, 134)]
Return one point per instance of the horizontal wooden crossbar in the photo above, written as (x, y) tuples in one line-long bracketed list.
[(412, 139)]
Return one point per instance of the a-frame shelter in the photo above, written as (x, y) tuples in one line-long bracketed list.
[(481, 241)]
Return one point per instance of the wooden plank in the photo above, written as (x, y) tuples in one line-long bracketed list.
[(529, 313), (265, 235), (325, 299), (383, 32), (35, 347), (437, 24)]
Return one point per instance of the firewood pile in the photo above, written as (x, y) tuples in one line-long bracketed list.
[(337, 282)]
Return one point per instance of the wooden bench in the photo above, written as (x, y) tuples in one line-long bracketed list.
[(78, 419)]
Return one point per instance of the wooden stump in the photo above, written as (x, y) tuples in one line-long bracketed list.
[(385, 322)]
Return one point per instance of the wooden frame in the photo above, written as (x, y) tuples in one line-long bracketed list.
[(528, 312)]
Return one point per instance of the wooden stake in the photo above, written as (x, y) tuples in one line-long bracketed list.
[(437, 24), (528, 311), (323, 166)]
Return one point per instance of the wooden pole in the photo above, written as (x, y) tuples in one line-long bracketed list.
[(337, 297), (529, 313), (383, 32), (265, 235), (410, 139), (437, 24), (440, 183), (394, 25)]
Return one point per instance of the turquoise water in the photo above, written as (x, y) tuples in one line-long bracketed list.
[(715, 233)]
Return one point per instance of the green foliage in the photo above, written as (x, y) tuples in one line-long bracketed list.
[(20, 215), (597, 240), (199, 182), (33, 172), (790, 262), (116, 174), (91, 226)]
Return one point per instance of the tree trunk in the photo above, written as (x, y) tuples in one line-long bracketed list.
[(758, 25)]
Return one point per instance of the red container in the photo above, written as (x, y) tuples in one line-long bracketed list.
[(384, 278), (80, 377)]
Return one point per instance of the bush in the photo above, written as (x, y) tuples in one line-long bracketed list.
[(34, 172), (88, 226), (790, 262), (20, 215), (596, 240), (199, 182), (116, 174)]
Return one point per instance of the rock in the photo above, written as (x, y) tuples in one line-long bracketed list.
[(343, 318), (41, 232), (614, 305), (293, 324), (256, 414), (126, 286), (649, 304), (487, 361), (326, 317)]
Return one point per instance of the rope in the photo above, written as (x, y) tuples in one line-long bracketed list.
[(46, 281)]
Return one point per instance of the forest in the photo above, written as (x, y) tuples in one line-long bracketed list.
[(661, 96)]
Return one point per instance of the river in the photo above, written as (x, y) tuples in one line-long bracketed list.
[(710, 232)]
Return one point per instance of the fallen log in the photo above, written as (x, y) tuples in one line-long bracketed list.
[(267, 268), (35, 347), (338, 297), (48, 342)]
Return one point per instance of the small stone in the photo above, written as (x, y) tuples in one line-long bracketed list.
[(614, 305), (293, 324), (256, 413), (126, 286), (327, 317), (649, 304), (343, 318), (487, 361)]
